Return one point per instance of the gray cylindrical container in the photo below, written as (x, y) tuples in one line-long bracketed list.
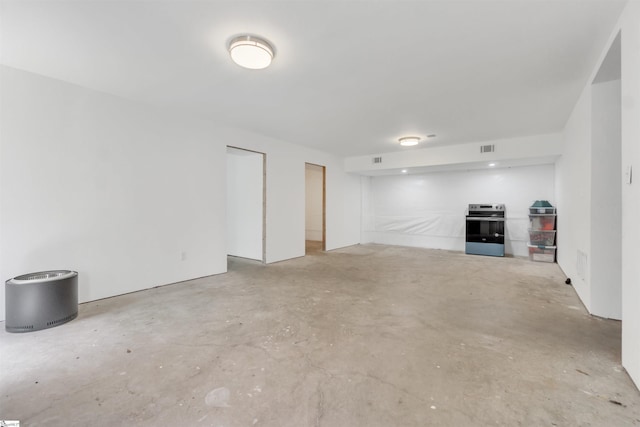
[(41, 300)]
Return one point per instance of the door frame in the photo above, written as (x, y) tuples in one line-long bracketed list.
[(264, 198), (324, 201)]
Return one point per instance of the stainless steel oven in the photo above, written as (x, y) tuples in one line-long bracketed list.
[(485, 229)]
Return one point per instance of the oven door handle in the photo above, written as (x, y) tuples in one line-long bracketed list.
[(478, 218)]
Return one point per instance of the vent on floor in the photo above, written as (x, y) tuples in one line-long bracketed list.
[(487, 148), (377, 160)]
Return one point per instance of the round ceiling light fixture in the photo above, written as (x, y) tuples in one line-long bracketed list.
[(251, 52), (409, 141)]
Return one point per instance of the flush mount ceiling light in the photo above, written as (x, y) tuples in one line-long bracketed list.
[(409, 141), (251, 52)]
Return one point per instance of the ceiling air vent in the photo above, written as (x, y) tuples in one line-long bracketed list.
[(376, 160), (487, 148)]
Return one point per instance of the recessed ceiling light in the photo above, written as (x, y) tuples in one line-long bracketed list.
[(403, 171), (408, 141), (251, 52), (491, 165)]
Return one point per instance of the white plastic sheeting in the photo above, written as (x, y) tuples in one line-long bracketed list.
[(428, 210)]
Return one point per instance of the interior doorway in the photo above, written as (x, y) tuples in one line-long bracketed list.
[(315, 211), (246, 194)]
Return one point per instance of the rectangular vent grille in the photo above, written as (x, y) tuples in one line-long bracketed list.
[(581, 265), (487, 148), (377, 160)]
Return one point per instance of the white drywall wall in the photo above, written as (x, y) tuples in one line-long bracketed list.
[(244, 203), (125, 195), (606, 200), (313, 202), (574, 189), (573, 171), (428, 210), (589, 200), (138, 188), (285, 183), (367, 224), (630, 83)]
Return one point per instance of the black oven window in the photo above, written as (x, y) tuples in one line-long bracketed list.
[(485, 231)]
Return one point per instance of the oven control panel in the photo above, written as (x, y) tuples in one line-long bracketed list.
[(486, 207)]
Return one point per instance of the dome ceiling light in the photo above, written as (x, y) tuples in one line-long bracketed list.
[(251, 52), (409, 141)]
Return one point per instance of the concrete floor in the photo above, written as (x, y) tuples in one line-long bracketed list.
[(364, 336)]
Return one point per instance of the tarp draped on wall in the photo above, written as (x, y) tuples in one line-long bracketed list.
[(428, 224), (428, 210)]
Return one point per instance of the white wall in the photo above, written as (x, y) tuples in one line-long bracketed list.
[(606, 200), (574, 189), (428, 210), (573, 172), (630, 25), (313, 204), (244, 203), (589, 193), (368, 222), (97, 184), (128, 189), (285, 181)]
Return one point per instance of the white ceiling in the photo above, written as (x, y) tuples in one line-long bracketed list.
[(349, 77)]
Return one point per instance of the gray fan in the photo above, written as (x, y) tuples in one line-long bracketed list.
[(41, 300)]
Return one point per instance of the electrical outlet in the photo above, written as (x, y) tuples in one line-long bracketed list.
[(183, 256), (628, 175)]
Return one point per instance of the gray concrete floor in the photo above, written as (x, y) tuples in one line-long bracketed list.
[(364, 336)]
